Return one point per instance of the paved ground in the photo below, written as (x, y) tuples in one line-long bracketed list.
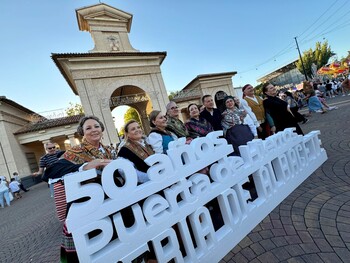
[(311, 225)]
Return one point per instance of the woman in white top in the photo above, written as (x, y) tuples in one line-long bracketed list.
[(159, 138), (4, 192)]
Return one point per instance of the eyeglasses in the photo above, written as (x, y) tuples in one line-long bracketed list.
[(174, 108), (50, 148)]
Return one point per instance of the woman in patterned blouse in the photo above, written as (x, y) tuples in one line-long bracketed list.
[(197, 126)]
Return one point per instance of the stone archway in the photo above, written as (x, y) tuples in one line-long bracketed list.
[(136, 98)]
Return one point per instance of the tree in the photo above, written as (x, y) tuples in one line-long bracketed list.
[(74, 109), (131, 114), (320, 57), (172, 95)]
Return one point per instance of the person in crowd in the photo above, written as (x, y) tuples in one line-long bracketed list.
[(293, 106), (235, 131), (250, 118), (18, 179), (314, 104), (197, 126), (48, 159), (323, 101), (136, 149), (159, 138), (14, 186), (266, 125), (279, 110), (174, 124), (345, 86), (329, 89), (4, 192), (90, 154), (211, 114)]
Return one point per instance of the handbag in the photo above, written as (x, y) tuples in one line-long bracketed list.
[(11, 196)]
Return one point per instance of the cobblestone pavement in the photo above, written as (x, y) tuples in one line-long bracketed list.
[(313, 223), (310, 225)]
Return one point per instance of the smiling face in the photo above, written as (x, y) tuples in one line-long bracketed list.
[(249, 91), (134, 131), (173, 110), (230, 103), (194, 111), (208, 102), (92, 131), (160, 121), (50, 148)]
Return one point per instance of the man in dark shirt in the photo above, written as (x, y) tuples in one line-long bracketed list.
[(210, 113), (48, 159)]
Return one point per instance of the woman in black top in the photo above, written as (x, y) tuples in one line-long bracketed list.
[(279, 110)]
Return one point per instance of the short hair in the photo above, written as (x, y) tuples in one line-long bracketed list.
[(126, 126), (167, 107), (15, 173), (152, 116), (50, 142), (80, 129), (204, 97)]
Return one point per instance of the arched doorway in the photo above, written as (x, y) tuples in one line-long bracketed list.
[(136, 98)]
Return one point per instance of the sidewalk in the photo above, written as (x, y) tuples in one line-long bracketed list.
[(313, 223), (310, 225)]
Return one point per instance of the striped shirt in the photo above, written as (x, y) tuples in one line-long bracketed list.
[(48, 159)]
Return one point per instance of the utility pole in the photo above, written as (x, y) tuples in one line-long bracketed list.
[(301, 59)]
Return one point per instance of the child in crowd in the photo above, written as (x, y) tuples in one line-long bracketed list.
[(14, 186)]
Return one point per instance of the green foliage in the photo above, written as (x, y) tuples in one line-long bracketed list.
[(319, 56), (258, 90), (172, 95), (131, 114), (74, 109)]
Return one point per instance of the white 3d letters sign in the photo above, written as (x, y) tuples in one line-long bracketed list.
[(172, 213)]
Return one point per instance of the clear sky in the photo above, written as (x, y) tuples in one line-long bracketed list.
[(200, 36)]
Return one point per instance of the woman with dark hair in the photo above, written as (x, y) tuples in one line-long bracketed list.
[(90, 154), (159, 138), (235, 131), (197, 126), (279, 110), (136, 149)]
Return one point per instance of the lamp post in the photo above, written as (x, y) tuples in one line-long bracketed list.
[(301, 59)]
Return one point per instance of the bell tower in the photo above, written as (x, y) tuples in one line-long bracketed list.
[(108, 26)]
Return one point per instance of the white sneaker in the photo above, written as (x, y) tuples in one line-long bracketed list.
[(319, 111)]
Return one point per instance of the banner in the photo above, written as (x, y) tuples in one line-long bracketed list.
[(182, 214)]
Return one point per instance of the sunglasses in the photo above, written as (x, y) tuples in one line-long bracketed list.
[(174, 108), (50, 148)]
